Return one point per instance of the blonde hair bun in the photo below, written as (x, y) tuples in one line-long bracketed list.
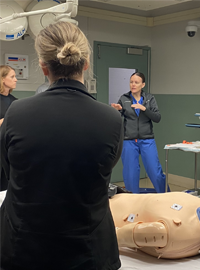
[(69, 55), (64, 48)]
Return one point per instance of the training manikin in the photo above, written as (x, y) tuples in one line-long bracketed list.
[(163, 225)]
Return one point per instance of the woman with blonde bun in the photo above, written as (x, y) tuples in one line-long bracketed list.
[(59, 150)]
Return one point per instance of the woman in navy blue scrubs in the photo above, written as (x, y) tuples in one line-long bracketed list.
[(139, 110)]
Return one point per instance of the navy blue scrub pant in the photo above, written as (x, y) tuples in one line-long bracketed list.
[(131, 167)]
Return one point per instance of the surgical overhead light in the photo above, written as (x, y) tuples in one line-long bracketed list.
[(12, 29), (40, 13)]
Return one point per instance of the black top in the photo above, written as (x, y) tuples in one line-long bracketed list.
[(59, 148), (5, 102), (139, 127)]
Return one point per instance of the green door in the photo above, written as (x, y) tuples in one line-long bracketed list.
[(108, 57)]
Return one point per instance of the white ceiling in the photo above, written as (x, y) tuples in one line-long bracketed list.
[(142, 7), (136, 7), (22, 3), (145, 5)]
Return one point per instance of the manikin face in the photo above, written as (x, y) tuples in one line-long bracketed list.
[(9, 81), (136, 84)]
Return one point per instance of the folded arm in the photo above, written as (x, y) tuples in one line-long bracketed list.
[(142, 234)]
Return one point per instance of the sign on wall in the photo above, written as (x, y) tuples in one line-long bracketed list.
[(19, 63)]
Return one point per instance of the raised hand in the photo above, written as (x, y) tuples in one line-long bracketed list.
[(116, 106), (138, 106)]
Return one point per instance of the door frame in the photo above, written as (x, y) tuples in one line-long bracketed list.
[(96, 52), (95, 56)]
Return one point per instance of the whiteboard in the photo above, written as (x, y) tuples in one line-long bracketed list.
[(119, 79)]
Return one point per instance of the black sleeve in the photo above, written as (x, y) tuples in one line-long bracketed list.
[(120, 145), (4, 155), (121, 103), (152, 110)]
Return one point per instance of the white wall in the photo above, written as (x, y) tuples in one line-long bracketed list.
[(115, 32), (94, 29), (175, 64)]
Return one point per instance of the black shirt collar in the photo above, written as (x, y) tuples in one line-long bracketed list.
[(70, 85)]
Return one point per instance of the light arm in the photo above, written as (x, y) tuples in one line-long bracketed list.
[(61, 8)]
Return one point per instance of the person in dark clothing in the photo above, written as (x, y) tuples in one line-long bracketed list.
[(8, 82), (59, 149), (139, 110)]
